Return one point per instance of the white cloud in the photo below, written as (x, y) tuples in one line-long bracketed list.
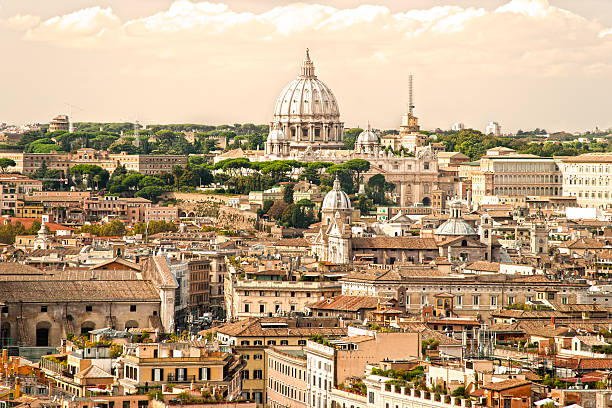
[(80, 28), (21, 22)]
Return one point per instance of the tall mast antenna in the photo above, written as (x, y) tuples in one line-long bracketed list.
[(410, 95)]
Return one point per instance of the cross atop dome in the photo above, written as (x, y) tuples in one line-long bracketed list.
[(307, 66)]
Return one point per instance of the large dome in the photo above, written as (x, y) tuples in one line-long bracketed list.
[(336, 199), (306, 95), (455, 225)]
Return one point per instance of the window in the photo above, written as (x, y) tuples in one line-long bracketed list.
[(43, 309), (88, 308), (564, 300), (262, 308), (511, 300), (424, 300), (181, 374), (258, 343), (261, 293), (204, 373), (292, 294), (301, 342), (158, 374), (245, 343), (247, 308), (246, 293), (257, 356), (476, 300), (245, 374), (284, 343), (257, 374), (493, 300), (132, 308), (459, 300), (271, 342), (4, 309), (277, 293), (371, 397)]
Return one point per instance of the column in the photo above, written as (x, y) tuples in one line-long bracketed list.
[(403, 198)]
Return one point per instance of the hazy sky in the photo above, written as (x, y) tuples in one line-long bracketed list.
[(523, 63)]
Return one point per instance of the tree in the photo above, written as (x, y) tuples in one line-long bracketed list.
[(377, 187), (5, 163), (276, 169), (277, 209), (90, 170), (150, 192), (350, 136), (358, 166), (288, 193)]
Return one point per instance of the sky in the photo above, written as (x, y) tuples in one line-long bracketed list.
[(522, 63)]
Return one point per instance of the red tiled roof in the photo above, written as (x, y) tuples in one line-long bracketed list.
[(27, 223), (505, 385), (346, 303), (394, 243)]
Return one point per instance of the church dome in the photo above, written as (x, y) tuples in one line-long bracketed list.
[(367, 137), (455, 225), (277, 135), (306, 96), (336, 199)]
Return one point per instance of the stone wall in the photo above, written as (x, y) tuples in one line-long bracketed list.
[(236, 219)]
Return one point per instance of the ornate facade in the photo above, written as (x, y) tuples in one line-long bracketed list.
[(307, 127)]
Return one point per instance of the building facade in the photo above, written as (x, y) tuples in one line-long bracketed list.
[(587, 178), (502, 172)]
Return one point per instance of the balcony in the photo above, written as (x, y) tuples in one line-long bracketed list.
[(185, 378)]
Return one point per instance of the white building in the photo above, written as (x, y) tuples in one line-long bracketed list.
[(587, 177), (457, 127), (493, 128)]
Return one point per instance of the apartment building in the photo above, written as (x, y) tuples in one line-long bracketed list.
[(129, 210), (12, 186), (267, 293), (286, 378), (28, 163), (251, 337), (153, 364), (159, 213), (199, 286), (331, 364), (473, 295), (587, 178), (503, 172)]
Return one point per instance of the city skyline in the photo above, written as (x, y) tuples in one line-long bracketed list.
[(197, 62)]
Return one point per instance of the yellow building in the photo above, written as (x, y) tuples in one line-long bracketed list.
[(153, 364), (28, 209), (251, 337)]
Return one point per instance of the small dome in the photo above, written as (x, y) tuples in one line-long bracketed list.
[(336, 199), (455, 225), (277, 135), (367, 137)]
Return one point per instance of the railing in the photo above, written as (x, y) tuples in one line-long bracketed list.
[(425, 397), (184, 378)]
